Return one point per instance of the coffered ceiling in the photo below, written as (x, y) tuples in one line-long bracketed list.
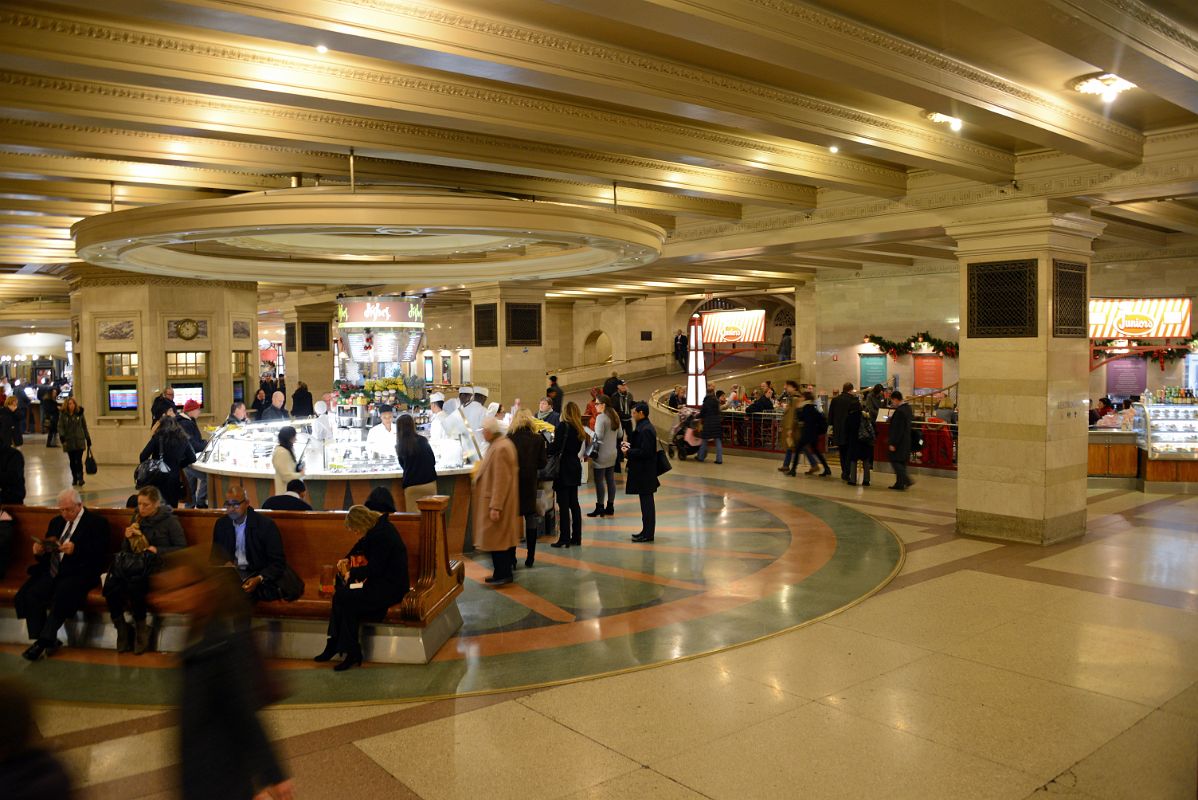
[(700, 116)]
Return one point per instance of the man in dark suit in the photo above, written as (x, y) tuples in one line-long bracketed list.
[(838, 415), (250, 542), (65, 572), (291, 500), (899, 440), (681, 346)]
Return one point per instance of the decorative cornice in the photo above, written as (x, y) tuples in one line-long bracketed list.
[(1156, 21), (594, 118), (673, 69), (1122, 255), (845, 27), (395, 130)]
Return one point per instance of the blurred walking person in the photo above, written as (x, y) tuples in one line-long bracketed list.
[(497, 503), (530, 458)]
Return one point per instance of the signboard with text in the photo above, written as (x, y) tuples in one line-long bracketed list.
[(873, 369), (1126, 376), (1140, 318), (733, 327), (380, 312), (929, 372)]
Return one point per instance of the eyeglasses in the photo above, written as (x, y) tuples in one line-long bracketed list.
[(234, 503)]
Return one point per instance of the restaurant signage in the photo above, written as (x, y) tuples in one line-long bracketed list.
[(1126, 377), (1140, 318), (929, 372), (380, 312), (733, 327)]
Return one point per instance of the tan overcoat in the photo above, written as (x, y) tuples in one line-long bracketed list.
[(496, 486)]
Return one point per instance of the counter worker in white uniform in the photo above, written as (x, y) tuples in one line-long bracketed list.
[(382, 437), (436, 407), (476, 410)]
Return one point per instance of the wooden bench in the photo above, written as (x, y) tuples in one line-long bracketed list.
[(422, 622)]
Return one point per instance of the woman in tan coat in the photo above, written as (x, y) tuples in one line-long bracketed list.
[(496, 507)]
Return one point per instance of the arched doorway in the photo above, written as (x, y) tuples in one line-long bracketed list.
[(597, 348)]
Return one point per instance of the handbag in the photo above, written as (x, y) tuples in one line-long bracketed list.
[(130, 567), (89, 464), (663, 463), (553, 465), (289, 587), (593, 449), (148, 471), (865, 431)]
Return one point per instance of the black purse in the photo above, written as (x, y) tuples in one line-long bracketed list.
[(663, 463), (150, 470), (89, 464), (130, 567)]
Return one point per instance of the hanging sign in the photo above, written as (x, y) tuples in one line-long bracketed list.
[(929, 372), (873, 369), (1140, 318), (1126, 376), (380, 312), (734, 327)]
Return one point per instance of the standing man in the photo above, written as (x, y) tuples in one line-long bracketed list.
[(899, 440), (476, 409), (623, 402), (611, 384), (276, 410), (838, 415), (197, 482), (681, 343), (496, 506), (641, 452), (162, 403), (69, 563), (49, 402), (554, 394)]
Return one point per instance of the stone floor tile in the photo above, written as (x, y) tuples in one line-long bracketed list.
[(1184, 704), (123, 757), (55, 719), (945, 552), (643, 783), (1157, 758), (1130, 615)]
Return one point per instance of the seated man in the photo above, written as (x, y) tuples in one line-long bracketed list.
[(68, 567), (250, 542), (291, 500)]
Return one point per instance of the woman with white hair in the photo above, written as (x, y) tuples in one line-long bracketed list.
[(496, 508)]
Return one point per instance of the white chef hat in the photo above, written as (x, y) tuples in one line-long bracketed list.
[(436, 397), (483, 390), (466, 390)]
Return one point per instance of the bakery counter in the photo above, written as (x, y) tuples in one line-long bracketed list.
[(1112, 454)]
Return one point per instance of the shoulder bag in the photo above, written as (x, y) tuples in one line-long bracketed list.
[(149, 470), (865, 431), (89, 464), (663, 464)]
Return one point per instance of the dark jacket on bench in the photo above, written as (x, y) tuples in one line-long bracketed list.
[(263, 545)]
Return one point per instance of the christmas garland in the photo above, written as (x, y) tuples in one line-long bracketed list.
[(895, 349), (1162, 355)]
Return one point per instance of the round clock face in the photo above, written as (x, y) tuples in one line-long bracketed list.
[(187, 328)]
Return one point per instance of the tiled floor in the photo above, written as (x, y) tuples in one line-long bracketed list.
[(985, 670)]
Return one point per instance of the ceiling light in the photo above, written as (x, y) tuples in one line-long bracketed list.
[(952, 122), (1108, 86), (320, 48), (833, 149)]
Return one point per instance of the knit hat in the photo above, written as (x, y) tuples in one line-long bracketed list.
[(190, 405)]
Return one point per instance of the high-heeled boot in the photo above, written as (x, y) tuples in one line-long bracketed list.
[(610, 509), (141, 637), (124, 636), (352, 659), (598, 512), (330, 650)]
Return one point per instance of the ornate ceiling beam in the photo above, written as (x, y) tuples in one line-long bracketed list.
[(472, 45), (1161, 213), (1158, 54), (109, 142), (858, 257), (271, 72), (164, 111), (53, 165), (803, 38), (1117, 233), (918, 251), (98, 191)]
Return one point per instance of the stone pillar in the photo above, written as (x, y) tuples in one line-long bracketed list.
[(806, 325), (309, 347), (1024, 366), (117, 317), (509, 360)]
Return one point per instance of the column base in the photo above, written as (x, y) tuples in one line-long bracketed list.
[(1021, 529)]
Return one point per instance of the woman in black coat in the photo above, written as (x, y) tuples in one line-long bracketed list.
[(416, 459), (260, 404), (568, 439), (530, 459), (641, 453), (860, 450), (301, 402), (815, 424), (371, 578), (712, 419), (170, 443)]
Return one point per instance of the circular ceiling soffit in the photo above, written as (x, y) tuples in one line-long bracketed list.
[(333, 234)]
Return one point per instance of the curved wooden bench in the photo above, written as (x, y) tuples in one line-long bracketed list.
[(311, 539)]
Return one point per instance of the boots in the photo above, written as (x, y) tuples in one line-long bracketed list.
[(865, 475), (598, 512), (141, 637), (352, 659), (124, 636), (610, 510), (330, 650)]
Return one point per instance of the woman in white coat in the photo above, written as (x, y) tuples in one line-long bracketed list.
[(285, 461)]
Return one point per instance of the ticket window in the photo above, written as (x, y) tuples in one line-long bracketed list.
[(242, 382), (120, 388), (187, 373)]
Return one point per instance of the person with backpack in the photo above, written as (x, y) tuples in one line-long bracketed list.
[(902, 425), (814, 425)]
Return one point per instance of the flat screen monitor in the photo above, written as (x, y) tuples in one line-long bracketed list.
[(188, 391), (122, 398), (238, 391)]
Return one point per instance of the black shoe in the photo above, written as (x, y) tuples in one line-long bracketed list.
[(641, 538), (493, 581), (792, 473), (865, 483), (528, 562), (784, 469), (598, 512), (350, 661), (34, 652), (898, 487), (825, 473), (576, 542), (851, 483), (141, 638), (327, 654), (610, 511), (560, 543)]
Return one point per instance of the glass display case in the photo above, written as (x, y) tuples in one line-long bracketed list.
[(324, 449), (1168, 432)]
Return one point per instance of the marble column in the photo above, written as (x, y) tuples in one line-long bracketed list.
[(1024, 366), (806, 325), (125, 324), (507, 364), (309, 358)]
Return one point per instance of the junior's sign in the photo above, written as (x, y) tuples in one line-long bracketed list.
[(380, 312), (1140, 318), (733, 327)]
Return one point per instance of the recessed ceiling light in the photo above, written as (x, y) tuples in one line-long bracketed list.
[(834, 149), (944, 119), (320, 48), (1108, 86)]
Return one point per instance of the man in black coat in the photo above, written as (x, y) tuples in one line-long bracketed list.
[(292, 500), (64, 573), (162, 403), (899, 440), (555, 394), (641, 451), (681, 345), (838, 415), (250, 542)]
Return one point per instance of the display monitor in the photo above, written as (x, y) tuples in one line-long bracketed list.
[(238, 391), (188, 391), (122, 398)]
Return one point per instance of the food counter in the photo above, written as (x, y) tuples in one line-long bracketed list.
[(1167, 438), (340, 468), (1112, 454)]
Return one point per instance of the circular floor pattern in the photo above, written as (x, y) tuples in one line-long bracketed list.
[(732, 563)]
